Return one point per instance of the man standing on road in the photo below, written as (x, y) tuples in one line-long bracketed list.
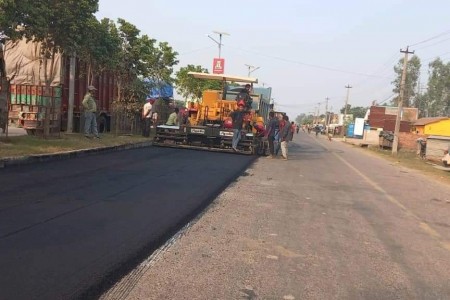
[(147, 117), (285, 132), (90, 110), (270, 133), (237, 117)]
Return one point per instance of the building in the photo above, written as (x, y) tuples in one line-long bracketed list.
[(433, 126), (384, 117)]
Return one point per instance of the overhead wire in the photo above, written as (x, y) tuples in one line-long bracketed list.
[(304, 64), (430, 39)]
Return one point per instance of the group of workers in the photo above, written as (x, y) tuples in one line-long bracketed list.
[(278, 130)]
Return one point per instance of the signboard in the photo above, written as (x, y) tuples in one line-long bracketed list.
[(359, 126), (218, 65)]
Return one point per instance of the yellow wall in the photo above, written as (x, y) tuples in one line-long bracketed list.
[(438, 128)]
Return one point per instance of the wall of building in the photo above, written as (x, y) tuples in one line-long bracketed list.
[(441, 128), (408, 141)]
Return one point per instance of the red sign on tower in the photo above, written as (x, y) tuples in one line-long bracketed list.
[(218, 65)]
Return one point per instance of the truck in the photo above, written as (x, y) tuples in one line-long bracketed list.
[(35, 93)]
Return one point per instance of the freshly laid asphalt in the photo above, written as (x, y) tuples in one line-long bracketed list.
[(68, 229)]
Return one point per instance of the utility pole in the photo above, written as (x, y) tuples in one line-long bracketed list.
[(315, 116), (318, 113), (344, 125), (219, 43), (400, 100), (326, 111), (329, 117), (71, 94), (251, 69)]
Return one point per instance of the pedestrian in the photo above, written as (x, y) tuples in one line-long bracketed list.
[(147, 117), (317, 129), (237, 118), (298, 129), (293, 127), (90, 111), (285, 132), (173, 118), (270, 133), (277, 135)]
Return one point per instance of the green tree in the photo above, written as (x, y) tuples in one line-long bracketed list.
[(300, 118), (357, 111), (138, 57), (100, 48), (412, 78), (192, 88), (436, 101)]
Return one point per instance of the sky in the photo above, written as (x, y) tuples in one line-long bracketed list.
[(305, 50)]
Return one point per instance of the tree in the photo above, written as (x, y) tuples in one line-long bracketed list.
[(436, 101), (192, 88), (299, 119), (304, 119), (412, 77), (357, 111), (138, 58), (101, 47)]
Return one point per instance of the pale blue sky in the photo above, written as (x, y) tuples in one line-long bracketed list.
[(306, 50)]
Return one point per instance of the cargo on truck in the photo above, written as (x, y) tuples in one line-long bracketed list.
[(40, 89)]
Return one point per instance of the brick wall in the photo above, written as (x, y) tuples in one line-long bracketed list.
[(408, 140)]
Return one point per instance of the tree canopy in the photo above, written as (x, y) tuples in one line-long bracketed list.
[(192, 88), (59, 25), (412, 78)]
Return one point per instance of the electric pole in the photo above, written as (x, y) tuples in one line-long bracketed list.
[(331, 112), (400, 100), (71, 93), (326, 111), (251, 69), (344, 125), (219, 43), (318, 113), (315, 116)]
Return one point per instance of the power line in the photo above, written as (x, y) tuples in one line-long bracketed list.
[(305, 64), (431, 38), (196, 50), (434, 44)]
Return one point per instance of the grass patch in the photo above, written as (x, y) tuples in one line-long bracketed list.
[(411, 160), (29, 145)]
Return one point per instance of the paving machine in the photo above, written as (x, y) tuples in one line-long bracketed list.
[(208, 123)]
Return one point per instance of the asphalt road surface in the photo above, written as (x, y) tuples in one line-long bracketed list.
[(70, 228), (332, 222)]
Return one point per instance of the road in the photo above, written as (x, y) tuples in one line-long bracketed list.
[(332, 222), (70, 228)]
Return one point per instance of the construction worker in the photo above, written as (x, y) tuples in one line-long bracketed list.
[(244, 96), (173, 118), (237, 118), (90, 110)]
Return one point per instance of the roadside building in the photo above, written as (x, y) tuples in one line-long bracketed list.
[(432, 126)]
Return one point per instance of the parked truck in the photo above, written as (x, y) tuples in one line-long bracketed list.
[(37, 95)]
